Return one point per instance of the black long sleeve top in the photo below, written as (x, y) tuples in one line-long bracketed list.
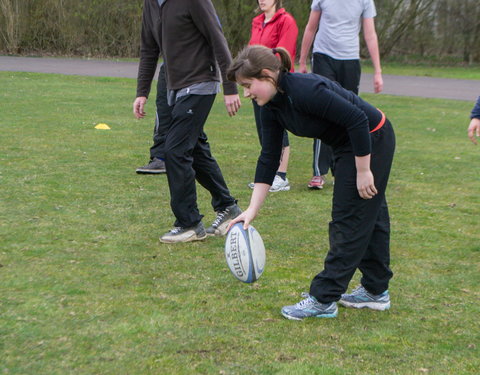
[(309, 105)]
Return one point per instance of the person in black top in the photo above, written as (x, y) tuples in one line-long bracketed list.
[(363, 143)]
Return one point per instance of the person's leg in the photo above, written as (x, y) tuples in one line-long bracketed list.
[(163, 117), (349, 232), (188, 118), (348, 74), (322, 154), (282, 168), (209, 175), (324, 65), (358, 225), (281, 182), (375, 265), (322, 161)]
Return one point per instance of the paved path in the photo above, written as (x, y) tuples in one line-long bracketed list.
[(444, 88)]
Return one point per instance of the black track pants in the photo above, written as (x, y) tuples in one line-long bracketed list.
[(188, 158), (359, 232)]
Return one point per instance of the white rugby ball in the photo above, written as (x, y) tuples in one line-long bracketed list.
[(245, 253)]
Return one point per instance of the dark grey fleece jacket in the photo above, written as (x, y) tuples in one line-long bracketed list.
[(189, 36)]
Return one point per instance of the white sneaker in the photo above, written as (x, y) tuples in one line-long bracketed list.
[(279, 184)]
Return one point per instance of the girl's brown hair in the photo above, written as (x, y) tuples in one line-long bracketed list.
[(253, 59)]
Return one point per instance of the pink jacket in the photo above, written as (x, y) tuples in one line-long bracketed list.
[(280, 31)]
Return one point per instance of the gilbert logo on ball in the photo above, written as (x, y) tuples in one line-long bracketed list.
[(245, 253)]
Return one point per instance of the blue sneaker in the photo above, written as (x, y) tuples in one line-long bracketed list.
[(310, 307), (360, 298)]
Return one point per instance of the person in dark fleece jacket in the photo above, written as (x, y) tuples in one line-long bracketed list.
[(363, 143), (196, 58)]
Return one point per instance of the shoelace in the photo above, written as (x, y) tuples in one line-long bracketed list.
[(277, 181), (219, 218), (176, 230), (358, 290), (307, 301)]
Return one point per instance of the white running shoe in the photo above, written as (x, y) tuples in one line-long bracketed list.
[(279, 184)]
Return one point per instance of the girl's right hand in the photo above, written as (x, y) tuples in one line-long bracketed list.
[(246, 217)]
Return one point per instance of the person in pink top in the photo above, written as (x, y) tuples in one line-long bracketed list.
[(274, 27)]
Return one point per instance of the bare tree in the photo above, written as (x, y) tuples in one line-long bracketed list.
[(397, 20), (467, 14), (10, 22), (443, 28)]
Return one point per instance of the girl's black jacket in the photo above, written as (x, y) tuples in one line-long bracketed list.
[(309, 105)]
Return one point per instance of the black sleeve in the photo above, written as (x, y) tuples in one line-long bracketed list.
[(149, 54), (207, 21), (334, 109), (269, 159)]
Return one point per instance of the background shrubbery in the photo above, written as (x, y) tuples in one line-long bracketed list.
[(446, 29)]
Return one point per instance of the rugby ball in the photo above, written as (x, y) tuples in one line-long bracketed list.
[(245, 253)]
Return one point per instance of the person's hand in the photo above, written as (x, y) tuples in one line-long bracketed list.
[(377, 83), (139, 107), (302, 68), (232, 103), (246, 217), (365, 185), (474, 130)]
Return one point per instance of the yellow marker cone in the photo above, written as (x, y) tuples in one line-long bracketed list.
[(102, 126)]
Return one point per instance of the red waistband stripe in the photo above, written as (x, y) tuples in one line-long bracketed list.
[(380, 124)]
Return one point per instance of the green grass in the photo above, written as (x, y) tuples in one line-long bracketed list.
[(426, 69), (86, 288)]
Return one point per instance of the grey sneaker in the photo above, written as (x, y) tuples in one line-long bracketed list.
[(155, 166), (179, 234), (310, 307), (360, 298), (220, 224), (279, 184), (251, 185)]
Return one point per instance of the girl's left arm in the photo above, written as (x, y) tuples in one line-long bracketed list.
[(365, 181)]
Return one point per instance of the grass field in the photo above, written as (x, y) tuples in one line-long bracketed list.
[(426, 69), (86, 288)]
